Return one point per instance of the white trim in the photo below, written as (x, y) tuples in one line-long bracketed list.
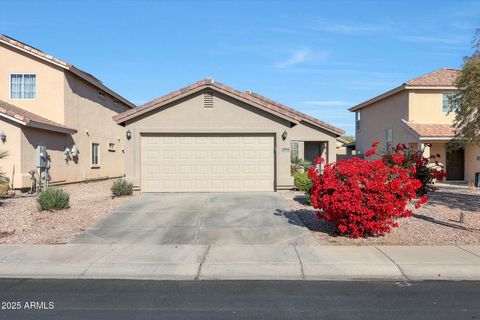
[(92, 165), (435, 138), (45, 126), (10, 86), (13, 119), (33, 54)]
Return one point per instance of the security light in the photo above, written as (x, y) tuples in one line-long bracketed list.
[(129, 134), (284, 135)]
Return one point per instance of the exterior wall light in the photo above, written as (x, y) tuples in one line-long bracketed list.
[(129, 134), (3, 137), (284, 135)]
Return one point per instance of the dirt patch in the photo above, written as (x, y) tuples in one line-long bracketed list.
[(436, 223), (21, 222)]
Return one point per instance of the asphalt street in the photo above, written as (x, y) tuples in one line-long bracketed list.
[(172, 300)]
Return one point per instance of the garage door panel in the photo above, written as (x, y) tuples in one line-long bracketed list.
[(207, 163)]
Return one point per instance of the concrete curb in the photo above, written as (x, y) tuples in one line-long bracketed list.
[(240, 262)]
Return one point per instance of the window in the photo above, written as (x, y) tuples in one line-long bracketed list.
[(388, 139), (446, 105), (95, 157), (293, 149), (23, 86), (357, 120)]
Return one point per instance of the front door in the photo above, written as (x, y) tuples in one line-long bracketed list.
[(455, 164)]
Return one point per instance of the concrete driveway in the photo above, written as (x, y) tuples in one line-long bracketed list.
[(201, 218)]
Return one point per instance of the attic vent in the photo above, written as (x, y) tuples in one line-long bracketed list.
[(208, 99)]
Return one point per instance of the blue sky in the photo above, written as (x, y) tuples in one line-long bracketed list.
[(318, 57)]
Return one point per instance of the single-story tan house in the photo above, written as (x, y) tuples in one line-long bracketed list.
[(50, 104), (210, 137)]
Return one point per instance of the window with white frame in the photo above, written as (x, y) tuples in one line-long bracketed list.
[(357, 120), (23, 86), (293, 149), (446, 105), (95, 154), (388, 139)]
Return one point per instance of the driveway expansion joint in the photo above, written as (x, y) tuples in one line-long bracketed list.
[(468, 251), (393, 261), (197, 277), (299, 261)]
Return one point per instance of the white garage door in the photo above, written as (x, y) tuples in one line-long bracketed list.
[(204, 163)]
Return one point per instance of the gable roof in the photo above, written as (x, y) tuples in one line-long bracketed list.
[(443, 78), (30, 119), (62, 64), (249, 97), (430, 131)]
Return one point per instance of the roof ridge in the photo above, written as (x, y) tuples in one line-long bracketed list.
[(256, 98)]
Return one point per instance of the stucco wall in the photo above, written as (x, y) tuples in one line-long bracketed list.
[(50, 94), (380, 116), (472, 161), (228, 115), (426, 107), (12, 146), (92, 116)]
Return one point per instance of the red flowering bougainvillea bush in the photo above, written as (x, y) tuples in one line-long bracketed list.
[(427, 170), (364, 198)]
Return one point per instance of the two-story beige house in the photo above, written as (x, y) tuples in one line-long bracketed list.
[(45, 101), (415, 113)]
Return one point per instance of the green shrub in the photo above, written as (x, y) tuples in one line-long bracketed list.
[(303, 183), (121, 188), (53, 199)]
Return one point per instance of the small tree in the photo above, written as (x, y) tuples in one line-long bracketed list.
[(466, 101)]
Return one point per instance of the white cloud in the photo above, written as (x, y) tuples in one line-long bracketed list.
[(321, 24), (447, 39), (328, 103), (297, 57)]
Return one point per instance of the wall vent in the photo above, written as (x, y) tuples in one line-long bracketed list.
[(208, 99)]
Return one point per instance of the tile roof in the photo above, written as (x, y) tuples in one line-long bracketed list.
[(430, 130), (444, 77), (252, 97), (30, 118), (85, 75), (440, 77)]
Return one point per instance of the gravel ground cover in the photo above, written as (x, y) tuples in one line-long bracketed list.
[(21, 222), (435, 223)]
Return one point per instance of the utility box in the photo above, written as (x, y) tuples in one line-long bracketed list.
[(42, 157)]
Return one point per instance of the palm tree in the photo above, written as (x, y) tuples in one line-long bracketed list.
[(3, 178), (297, 164)]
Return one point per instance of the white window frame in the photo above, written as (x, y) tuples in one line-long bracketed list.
[(358, 118), (22, 74), (297, 148), (95, 165), (388, 143)]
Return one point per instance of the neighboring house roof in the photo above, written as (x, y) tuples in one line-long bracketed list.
[(29, 119), (443, 78), (342, 140), (63, 64), (430, 131), (249, 97)]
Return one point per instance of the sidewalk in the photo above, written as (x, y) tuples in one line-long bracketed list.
[(279, 262)]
